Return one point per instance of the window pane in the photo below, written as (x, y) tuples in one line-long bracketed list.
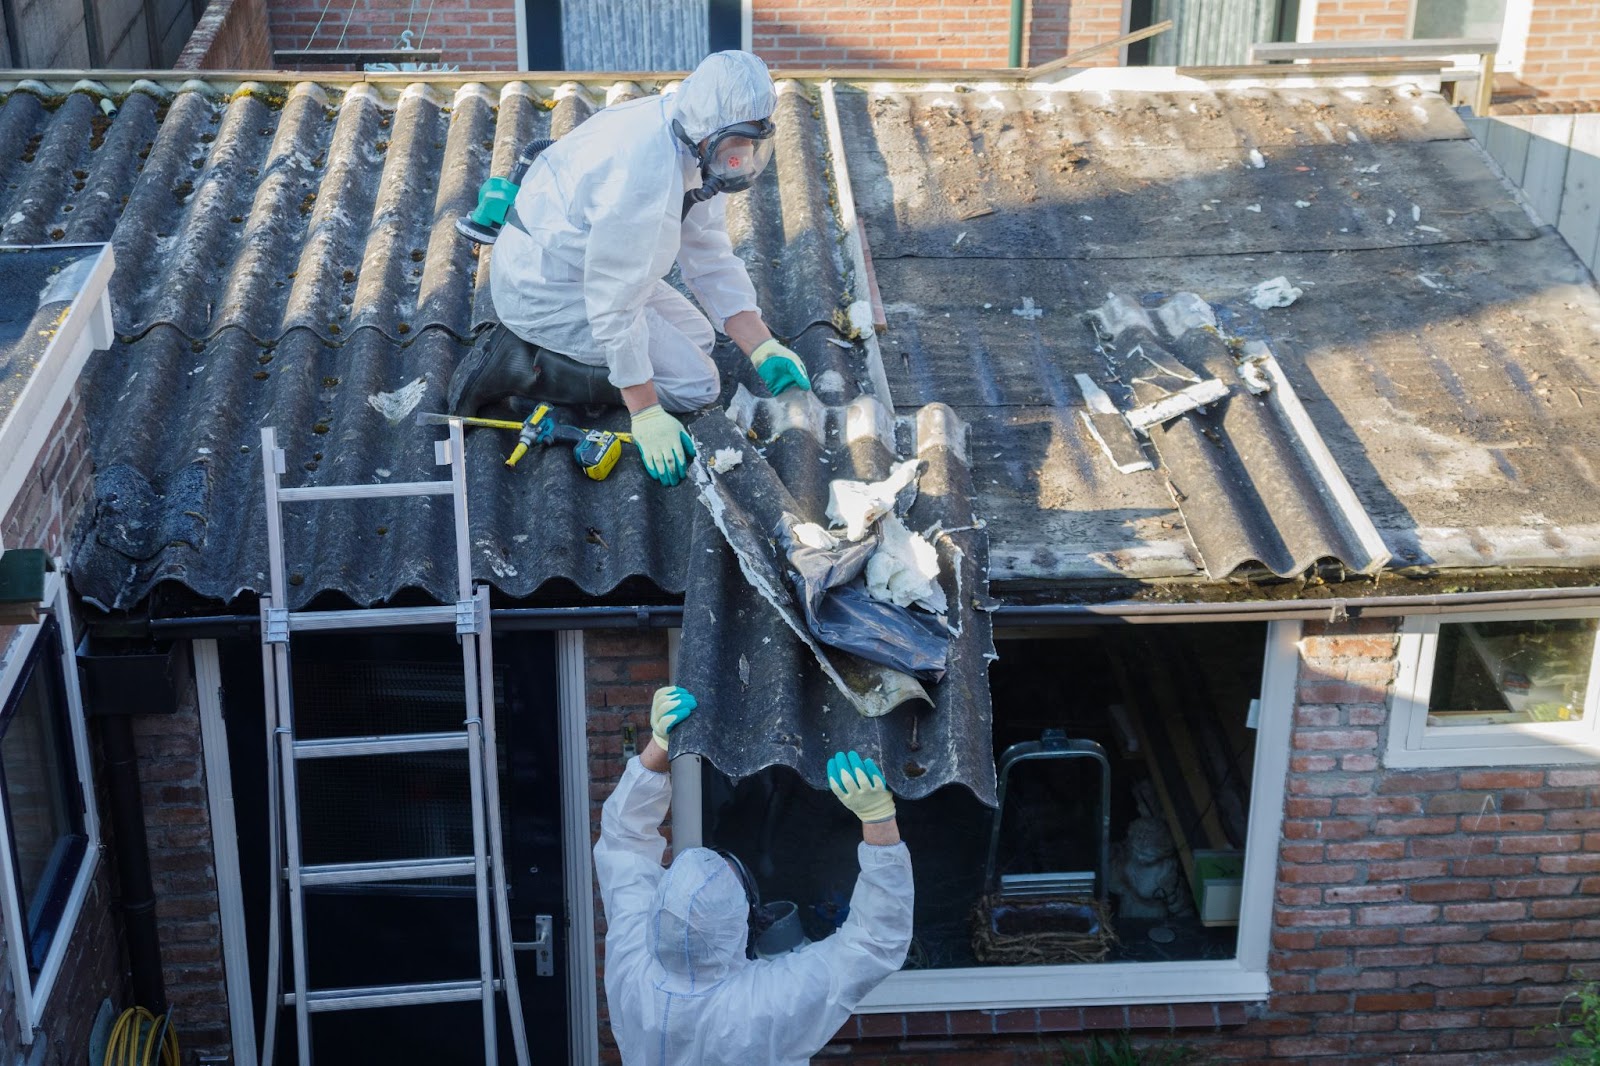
[(39, 777), (1511, 672), (1459, 18)]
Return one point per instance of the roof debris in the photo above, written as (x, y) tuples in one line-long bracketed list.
[(1276, 292)]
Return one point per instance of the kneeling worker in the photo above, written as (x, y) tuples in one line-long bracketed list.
[(577, 273), (682, 984)]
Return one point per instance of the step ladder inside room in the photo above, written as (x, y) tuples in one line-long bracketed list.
[(475, 741)]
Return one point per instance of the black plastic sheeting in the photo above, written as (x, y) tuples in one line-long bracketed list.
[(765, 697)]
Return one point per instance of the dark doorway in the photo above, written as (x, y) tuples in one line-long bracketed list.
[(389, 807), (724, 25)]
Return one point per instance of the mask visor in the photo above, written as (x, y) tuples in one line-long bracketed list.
[(738, 154)]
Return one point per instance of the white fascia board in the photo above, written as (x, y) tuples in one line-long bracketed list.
[(86, 328)]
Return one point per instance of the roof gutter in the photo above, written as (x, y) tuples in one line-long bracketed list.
[(1006, 615)]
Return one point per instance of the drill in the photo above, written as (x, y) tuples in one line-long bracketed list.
[(596, 450)]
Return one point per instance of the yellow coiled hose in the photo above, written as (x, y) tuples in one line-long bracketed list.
[(141, 1039)]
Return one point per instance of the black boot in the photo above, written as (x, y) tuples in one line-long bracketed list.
[(564, 380), (500, 365)]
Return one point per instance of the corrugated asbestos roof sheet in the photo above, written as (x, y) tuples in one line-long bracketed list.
[(290, 260), (1445, 349)]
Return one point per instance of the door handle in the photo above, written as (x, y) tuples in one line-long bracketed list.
[(542, 945)]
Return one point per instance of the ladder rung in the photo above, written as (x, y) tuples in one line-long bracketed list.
[(391, 995), (355, 873), (366, 492), (373, 618), (338, 747)]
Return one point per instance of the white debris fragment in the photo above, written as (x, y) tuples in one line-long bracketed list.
[(520, 538), (959, 238), (726, 459), (744, 671), (203, 451), (1252, 368), (1302, 203), (1427, 279), (395, 406), (1169, 407), (1257, 160), (1093, 395), (1416, 213), (861, 317), (1373, 169), (1087, 218), (1027, 310), (987, 306), (14, 219), (855, 505), (1276, 292), (1254, 207), (1429, 229), (814, 536), (837, 343), (1391, 218), (904, 570)]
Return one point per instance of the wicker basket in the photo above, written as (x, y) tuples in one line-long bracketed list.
[(1035, 932)]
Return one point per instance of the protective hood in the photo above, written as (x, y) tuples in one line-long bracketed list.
[(726, 87), (702, 921)]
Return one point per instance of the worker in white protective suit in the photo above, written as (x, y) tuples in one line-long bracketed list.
[(599, 219), (681, 984)]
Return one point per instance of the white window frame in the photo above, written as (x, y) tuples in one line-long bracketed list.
[(1412, 744), (33, 997), (1241, 978), (1513, 48)]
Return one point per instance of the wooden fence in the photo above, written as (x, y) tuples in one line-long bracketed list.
[(1556, 161)]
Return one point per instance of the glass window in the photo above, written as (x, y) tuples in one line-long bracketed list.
[(39, 786), (1458, 18), (1512, 672)]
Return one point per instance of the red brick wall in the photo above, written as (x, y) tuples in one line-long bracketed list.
[(1361, 20), (178, 827), (473, 34), (1058, 27), (52, 498), (882, 33), (1438, 915), (231, 35), (1563, 59), (622, 670)]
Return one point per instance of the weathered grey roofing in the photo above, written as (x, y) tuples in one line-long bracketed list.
[(287, 253), (30, 303), (1445, 348)]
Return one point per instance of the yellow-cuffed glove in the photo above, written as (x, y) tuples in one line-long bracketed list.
[(779, 367), (860, 786), (668, 707), (663, 443)]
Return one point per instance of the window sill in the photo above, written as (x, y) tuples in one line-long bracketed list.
[(1551, 754), (1110, 984)]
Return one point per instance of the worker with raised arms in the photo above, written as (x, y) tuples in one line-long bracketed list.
[(683, 983), (577, 274)]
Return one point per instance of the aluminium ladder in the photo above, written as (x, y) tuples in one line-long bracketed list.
[(470, 616)]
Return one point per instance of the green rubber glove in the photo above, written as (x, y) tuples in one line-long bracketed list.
[(663, 444), (860, 786), (668, 707), (779, 367)]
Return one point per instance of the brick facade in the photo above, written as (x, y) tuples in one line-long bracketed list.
[(178, 829), (43, 515), (1562, 62), (1437, 915), (231, 35), (470, 34)]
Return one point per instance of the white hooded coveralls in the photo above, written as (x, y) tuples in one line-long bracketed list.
[(601, 217), (680, 989)]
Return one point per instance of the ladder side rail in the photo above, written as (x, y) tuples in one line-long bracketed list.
[(274, 960), (273, 466), (474, 724), (497, 864)]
